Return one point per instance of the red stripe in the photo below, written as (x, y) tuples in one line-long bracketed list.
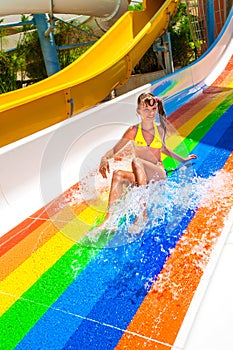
[(183, 114), (22, 230)]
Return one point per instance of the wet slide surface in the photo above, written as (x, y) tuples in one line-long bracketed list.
[(61, 290)]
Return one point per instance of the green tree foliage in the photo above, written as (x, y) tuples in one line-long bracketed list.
[(9, 66), (183, 48), (28, 59), (26, 63), (29, 53), (29, 50), (148, 63), (136, 7), (66, 34), (8, 75)]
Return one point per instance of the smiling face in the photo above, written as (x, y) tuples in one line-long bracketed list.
[(147, 106)]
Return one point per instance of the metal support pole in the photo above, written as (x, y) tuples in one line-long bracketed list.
[(47, 44), (168, 52), (166, 49), (210, 21)]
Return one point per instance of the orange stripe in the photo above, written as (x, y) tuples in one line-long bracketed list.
[(164, 308), (225, 73), (21, 231), (21, 251), (37, 238), (183, 114)]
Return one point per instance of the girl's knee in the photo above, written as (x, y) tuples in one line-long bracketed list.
[(121, 176), (136, 160), (160, 174), (136, 163), (117, 175)]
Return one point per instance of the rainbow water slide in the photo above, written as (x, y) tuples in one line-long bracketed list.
[(63, 286), (105, 66)]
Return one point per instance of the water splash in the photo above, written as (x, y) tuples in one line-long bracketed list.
[(214, 201), (166, 203)]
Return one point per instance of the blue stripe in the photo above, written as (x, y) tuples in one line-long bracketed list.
[(176, 101), (112, 286), (216, 146), (122, 299), (138, 264)]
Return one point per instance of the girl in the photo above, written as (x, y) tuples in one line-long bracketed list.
[(148, 139)]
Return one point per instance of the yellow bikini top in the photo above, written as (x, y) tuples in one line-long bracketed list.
[(140, 141)]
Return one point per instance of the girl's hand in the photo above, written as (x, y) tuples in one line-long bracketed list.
[(104, 167), (191, 156)]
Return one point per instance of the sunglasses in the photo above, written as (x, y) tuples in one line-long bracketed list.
[(147, 99)]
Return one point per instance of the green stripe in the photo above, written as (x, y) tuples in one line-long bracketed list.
[(170, 87), (190, 142), (26, 311)]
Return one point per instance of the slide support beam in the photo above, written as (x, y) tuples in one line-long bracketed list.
[(47, 43), (210, 21)]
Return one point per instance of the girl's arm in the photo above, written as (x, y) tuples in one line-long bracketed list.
[(174, 155), (104, 164), (169, 152)]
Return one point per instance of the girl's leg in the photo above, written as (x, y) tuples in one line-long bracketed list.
[(119, 179), (153, 171), (141, 179), (145, 171), (139, 172)]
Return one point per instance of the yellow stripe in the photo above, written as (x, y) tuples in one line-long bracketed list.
[(95, 210), (28, 273), (174, 140), (41, 260), (203, 113), (22, 278)]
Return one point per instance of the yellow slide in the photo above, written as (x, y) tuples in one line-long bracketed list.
[(105, 66)]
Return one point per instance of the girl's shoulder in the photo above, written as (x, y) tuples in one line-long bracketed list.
[(131, 132)]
